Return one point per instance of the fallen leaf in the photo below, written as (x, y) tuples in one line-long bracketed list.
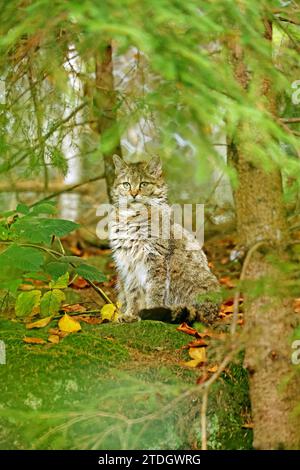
[(203, 378), (198, 343), (185, 328), (66, 323), (226, 281), (212, 369), (53, 339), (228, 306), (39, 323), (73, 308), (88, 319), (198, 356), (109, 312), (80, 283), (30, 340), (248, 425), (58, 332), (76, 251), (297, 305)]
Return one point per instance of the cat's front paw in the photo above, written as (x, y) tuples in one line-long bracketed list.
[(128, 318)]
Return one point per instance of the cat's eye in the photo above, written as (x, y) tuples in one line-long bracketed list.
[(126, 185), (144, 184)]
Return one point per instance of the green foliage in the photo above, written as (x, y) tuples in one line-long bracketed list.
[(90, 273), (41, 230), (56, 268), (22, 257), (51, 302), (28, 256), (27, 302), (60, 283), (192, 89)]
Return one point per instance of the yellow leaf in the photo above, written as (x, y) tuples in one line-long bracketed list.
[(53, 339), (109, 312), (34, 340), (39, 324), (66, 323), (198, 356)]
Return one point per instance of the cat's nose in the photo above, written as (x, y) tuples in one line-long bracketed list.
[(134, 194)]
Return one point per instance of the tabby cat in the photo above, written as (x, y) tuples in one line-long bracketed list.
[(159, 277)]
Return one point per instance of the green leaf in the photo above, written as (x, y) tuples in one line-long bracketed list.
[(4, 233), (61, 283), (43, 208), (41, 230), (76, 260), (22, 208), (56, 269), (51, 301), (27, 302), (11, 285), (25, 258), (90, 273)]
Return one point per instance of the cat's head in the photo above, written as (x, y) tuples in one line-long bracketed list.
[(139, 182)]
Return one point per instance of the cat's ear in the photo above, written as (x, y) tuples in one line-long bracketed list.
[(154, 166), (119, 163)]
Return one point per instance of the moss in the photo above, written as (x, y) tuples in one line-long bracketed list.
[(230, 396), (109, 386)]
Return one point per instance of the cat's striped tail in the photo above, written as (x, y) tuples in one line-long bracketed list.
[(206, 312)]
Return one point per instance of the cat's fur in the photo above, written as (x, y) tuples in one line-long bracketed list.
[(157, 278)]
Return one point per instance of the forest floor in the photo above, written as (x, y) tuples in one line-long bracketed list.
[(119, 386)]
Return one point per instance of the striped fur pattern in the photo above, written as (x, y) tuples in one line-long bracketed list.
[(158, 277)]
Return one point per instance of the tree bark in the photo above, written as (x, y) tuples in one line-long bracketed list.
[(269, 319), (106, 110)]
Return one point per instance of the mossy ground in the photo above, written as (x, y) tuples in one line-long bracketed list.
[(112, 386)]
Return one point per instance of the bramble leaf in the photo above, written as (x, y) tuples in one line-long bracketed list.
[(51, 302), (27, 302), (90, 273)]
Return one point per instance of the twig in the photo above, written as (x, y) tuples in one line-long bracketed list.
[(45, 137), (206, 385), (290, 120), (203, 420), (288, 20), (251, 251), (68, 189)]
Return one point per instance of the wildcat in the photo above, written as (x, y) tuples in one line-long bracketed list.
[(159, 278)]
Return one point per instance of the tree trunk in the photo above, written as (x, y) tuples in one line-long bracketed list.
[(106, 111), (269, 319)]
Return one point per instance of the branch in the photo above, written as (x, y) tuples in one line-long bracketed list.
[(38, 187), (288, 20), (68, 189), (290, 120), (236, 301), (45, 137)]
